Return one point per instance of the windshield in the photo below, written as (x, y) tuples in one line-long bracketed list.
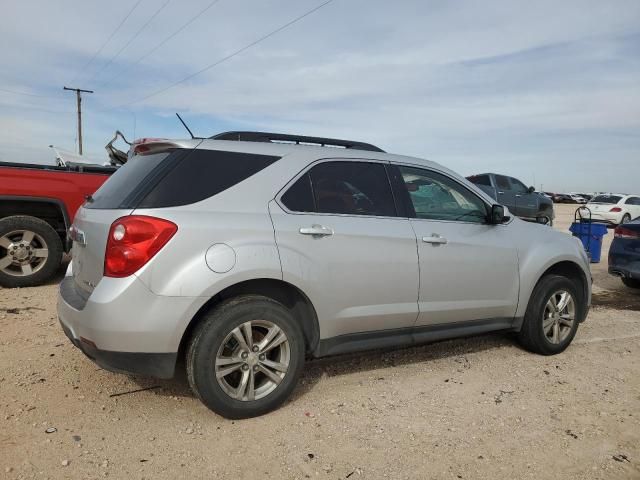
[(611, 199)]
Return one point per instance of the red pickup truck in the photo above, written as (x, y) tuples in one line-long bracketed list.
[(37, 205)]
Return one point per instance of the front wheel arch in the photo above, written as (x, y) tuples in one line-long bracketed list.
[(573, 272)]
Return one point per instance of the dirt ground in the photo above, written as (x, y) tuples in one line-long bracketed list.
[(478, 408)]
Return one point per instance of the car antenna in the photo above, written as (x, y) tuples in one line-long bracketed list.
[(185, 126)]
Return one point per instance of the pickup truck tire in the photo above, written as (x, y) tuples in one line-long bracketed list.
[(30, 251), (552, 317)]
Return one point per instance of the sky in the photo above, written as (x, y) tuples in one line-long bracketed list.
[(546, 91)]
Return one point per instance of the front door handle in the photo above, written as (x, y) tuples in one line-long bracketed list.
[(500, 193), (434, 239), (316, 231)]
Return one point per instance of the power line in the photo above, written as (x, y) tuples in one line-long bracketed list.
[(228, 57), (90, 61), (154, 49), (39, 109), (26, 94), (140, 30)]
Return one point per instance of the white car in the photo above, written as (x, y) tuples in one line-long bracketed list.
[(577, 198), (614, 208)]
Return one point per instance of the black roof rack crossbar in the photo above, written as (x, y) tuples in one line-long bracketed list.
[(266, 137)]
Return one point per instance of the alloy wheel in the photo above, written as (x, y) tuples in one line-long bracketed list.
[(252, 360), (559, 316), (22, 253)]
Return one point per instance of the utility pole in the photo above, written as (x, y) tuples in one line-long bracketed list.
[(79, 101)]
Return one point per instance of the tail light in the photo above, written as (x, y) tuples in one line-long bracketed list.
[(616, 209), (149, 146), (133, 241), (623, 232)]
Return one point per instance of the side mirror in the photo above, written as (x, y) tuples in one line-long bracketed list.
[(531, 189), (497, 215)]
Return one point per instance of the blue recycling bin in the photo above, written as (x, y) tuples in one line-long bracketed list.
[(590, 234)]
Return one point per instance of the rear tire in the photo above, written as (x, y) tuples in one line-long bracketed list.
[(625, 219), (30, 251), (631, 282), (245, 357), (551, 320)]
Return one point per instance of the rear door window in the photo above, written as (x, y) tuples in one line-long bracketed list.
[(608, 199), (299, 197), (342, 187), (503, 182), (517, 186), (352, 188)]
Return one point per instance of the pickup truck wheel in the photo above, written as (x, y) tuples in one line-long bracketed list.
[(552, 316), (245, 358), (30, 251)]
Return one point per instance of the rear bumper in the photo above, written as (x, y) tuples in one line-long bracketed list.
[(622, 264), (604, 217), (159, 365), (124, 327)]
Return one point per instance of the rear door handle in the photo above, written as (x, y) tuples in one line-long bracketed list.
[(316, 231), (435, 239)]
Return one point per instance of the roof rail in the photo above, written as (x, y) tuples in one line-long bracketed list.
[(266, 137)]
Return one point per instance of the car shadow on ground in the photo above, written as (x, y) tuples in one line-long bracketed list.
[(370, 361)]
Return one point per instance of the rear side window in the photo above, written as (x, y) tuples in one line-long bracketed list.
[(177, 178), (633, 201), (518, 186), (503, 182), (350, 188), (480, 180), (609, 199), (202, 174), (124, 182)]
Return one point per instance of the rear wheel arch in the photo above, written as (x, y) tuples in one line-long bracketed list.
[(50, 210), (282, 292)]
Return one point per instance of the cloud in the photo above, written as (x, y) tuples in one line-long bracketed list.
[(517, 87)]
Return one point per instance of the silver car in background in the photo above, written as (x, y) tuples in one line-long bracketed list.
[(246, 253)]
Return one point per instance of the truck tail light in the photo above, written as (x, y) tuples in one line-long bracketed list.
[(622, 232), (616, 209), (133, 241)]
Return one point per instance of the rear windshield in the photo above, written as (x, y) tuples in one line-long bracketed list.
[(179, 177), (606, 199)]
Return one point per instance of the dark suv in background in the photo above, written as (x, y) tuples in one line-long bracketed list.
[(521, 200)]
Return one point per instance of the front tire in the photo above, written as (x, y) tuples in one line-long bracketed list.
[(631, 282), (245, 357), (30, 251), (552, 316)]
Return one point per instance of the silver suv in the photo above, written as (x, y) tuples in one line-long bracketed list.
[(246, 253)]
